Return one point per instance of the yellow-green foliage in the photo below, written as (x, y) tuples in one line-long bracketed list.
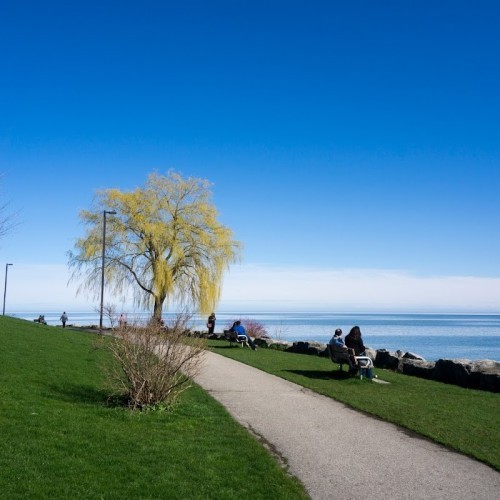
[(164, 242)]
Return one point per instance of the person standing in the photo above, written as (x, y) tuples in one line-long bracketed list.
[(122, 321), (64, 318), (211, 323)]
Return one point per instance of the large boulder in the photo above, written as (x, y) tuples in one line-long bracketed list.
[(280, 345), (416, 367), (412, 355), (489, 375), (472, 374), (371, 353), (314, 348), (386, 359)]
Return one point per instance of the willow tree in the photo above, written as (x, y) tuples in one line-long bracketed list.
[(164, 243)]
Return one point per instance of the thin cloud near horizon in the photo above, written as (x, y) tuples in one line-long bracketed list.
[(266, 287)]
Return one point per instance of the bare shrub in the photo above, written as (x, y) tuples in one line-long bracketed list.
[(280, 332), (8, 221), (155, 363), (109, 310), (254, 328)]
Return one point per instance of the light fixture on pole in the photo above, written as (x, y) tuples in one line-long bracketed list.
[(5, 287), (109, 212)]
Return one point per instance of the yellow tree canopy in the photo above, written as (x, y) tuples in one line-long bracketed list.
[(164, 243)]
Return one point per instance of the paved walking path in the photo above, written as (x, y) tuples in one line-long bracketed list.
[(339, 453)]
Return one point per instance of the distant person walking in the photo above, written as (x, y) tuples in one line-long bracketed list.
[(122, 321), (211, 323), (64, 318)]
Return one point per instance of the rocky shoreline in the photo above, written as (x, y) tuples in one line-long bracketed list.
[(483, 374)]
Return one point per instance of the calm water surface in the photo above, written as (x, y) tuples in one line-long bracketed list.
[(433, 336)]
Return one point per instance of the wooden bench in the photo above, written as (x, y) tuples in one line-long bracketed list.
[(234, 338), (342, 357), (339, 357)]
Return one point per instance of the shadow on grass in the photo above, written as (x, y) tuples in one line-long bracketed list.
[(321, 374), (231, 346), (84, 394)]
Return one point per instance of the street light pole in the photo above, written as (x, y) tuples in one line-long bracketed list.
[(5, 287), (112, 212)]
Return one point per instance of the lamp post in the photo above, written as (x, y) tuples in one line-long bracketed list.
[(5, 287), (109, 212)]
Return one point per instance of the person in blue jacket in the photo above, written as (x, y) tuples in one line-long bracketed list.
[(338, 345), (239, 329)]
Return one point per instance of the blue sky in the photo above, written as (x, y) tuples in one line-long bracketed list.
[(353, 146)]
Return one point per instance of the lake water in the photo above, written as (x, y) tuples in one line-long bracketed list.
[(433, 336)]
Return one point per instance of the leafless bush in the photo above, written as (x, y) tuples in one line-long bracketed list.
[(8, 221), (109, 310), (155, 363), (280, 332), (254, 328)]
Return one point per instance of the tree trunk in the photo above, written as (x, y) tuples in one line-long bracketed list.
[(158, 307)]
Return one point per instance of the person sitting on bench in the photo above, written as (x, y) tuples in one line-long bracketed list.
[(354, 342), (239, 329), (40, 319), (342, 351)]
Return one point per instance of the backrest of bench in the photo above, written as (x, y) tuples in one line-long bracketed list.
[(333, 355)]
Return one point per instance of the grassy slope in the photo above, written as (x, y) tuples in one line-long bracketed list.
[(463, 419), (60, 439)]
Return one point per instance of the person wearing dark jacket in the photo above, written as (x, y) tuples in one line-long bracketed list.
[(211, 323), (354, 341)]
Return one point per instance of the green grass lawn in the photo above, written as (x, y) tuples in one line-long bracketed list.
[(60, 438), (463, 419)]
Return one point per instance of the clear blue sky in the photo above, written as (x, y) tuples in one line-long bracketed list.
[(351, 144)]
